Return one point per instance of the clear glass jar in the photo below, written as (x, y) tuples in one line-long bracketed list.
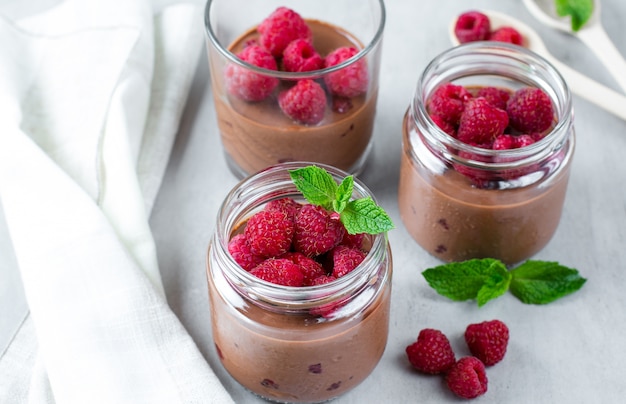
[(289, 344), (515, 209), (256, 133)]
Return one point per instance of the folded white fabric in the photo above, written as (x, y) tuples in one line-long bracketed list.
[(91, 93)]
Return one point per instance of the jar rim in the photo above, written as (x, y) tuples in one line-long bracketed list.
[(499, 54), (273, 295)]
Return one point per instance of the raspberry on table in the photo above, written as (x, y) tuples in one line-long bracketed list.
[(448, 102), (269, 233), (301, 56), (530, 110), (305, 102), (311, 269), (352, 80), (495, 96), (481, 122), (247, 84), (431, 353), (280, 28), (279, 271), (472, 26), (467, 378), (240, 251), (315, 231), (345, 259), (507, 34), (488, 341)]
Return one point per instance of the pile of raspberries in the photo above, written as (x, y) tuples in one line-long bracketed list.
[(285, 43), (466, 377)]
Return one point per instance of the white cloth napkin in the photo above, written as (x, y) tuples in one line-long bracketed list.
[(91, 93)]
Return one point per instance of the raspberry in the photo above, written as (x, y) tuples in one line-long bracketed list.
[(316, 233), (448, 102), (467, 378), (310, 268), (507, 34), (287, 205), (524, 140), (280, 28), (269, 233), (279, 271), (301, 56), (444, 125), (323, 279), (481, 122), (472, 26), (530, 110), (341, 105), (345, 259), (495, 96), (305, 102), (353, 240), (240, 251), (487, 341), (246, 84), (350, 81), (431, 353), (504, 142)]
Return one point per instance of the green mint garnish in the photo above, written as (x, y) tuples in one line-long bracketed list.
[(358, 216), (533, 282), (579, 10)]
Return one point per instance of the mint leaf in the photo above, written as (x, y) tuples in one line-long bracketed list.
[(579, 10), (343, 194), (481, 279), (365, 216), (316, 184), (540, 282)]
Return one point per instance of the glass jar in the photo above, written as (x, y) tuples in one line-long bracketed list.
[(255, 131), (295, 344), (461, 202)]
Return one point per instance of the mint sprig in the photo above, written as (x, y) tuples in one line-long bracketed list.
[(533, 282), (358, 216), (579, 10)]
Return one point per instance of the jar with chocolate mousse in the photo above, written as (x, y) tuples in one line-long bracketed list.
[(295, 80), (475, 190), (295, 344)]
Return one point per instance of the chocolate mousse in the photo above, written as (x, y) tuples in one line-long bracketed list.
[(256, 135)]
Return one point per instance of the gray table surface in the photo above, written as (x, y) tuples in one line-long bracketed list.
[(571, 351)]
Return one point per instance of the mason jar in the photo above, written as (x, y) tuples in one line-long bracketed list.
[(255, 130), (459, 201), (295, 344)]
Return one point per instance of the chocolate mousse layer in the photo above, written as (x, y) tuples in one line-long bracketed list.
[(256, 135), (297, 357), (455, 221)]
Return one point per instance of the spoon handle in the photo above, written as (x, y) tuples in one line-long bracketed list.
[(596, 38), (591, 90)]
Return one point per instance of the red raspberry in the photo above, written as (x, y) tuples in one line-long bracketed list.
[(280, 28), (487, 341), (345, 259), (323, 279), (507, 34), (310, 268), (240, 251), (444, 125), (495, 96), (350, 81), (353, 240), (246, 84), (467, 378), (448, 102), (279, 271), (472, 26), (301, 56), (530, 110), (316, 233), (341, 105), (481, 122), (269, 233), (524, 140), (287, 205), (305, 102), (504, 142), (431, 353)]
